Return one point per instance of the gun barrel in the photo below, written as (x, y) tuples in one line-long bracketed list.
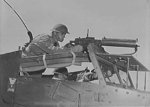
[(119, 42)]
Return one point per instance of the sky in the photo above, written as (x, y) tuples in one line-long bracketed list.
[(122, 19)]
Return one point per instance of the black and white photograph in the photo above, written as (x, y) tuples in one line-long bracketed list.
[(74, 53)]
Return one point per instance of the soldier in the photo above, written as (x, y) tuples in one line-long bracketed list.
[(45, 43)]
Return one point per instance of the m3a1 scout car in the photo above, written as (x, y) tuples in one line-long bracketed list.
[(109, 83)]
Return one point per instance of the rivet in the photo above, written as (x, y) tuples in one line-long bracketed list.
[(116, 90), (107, 94), (102, 100), (127, 92)]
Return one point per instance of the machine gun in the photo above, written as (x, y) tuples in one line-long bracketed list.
[(84, 42)]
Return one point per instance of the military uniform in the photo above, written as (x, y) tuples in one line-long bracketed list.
[(41, 44)]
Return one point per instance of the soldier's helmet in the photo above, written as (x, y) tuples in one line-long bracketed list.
[(60, 28)]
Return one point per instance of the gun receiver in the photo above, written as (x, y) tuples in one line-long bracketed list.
[(85, 42)]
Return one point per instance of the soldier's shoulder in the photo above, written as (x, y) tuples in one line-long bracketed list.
[(41, 36)]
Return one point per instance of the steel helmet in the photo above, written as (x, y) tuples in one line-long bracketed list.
[(60, 28)]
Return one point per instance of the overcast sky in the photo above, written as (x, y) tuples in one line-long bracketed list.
[(125, 19)]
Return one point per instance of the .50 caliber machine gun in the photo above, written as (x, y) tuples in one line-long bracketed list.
[(84, 42)]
